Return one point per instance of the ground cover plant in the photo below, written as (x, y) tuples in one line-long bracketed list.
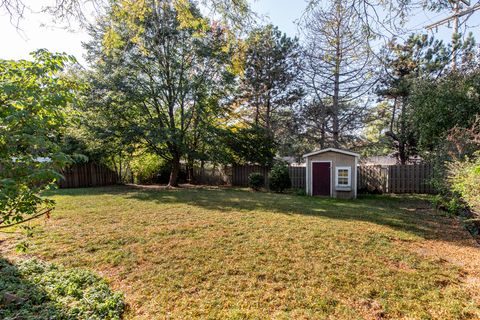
[(239, 254), (32, 289)]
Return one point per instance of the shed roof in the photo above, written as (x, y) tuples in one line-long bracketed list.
[(353, 154)]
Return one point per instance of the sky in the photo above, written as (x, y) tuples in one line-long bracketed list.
[(37, 30)]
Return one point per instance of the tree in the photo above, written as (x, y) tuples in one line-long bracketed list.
[(439, 105), (235, 13), (419, 57), (33, 100), (375, 141), (336, 70), (251, 144), (268, 87), (385, 18), (92, 135), (155, 85)]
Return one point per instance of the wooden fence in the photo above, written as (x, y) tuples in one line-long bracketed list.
[(297, 175), (383, 179), (240, 174), (213, 176), (86, 175), (373, 179), (414, 178)]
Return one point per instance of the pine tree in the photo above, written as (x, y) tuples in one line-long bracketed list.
[(337, 70)]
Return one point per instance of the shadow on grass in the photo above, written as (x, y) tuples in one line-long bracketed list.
[(407, 213), (22, 299)]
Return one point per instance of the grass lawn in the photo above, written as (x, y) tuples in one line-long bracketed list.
[(236, 254)]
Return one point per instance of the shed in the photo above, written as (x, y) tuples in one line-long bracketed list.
[(332, 173)]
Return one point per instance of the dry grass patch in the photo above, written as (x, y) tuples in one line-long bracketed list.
[(234, 254)]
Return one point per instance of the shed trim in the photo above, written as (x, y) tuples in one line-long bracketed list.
[(355, 188), (349, 170), (332, 150)]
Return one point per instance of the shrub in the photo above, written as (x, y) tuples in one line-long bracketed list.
[(150, 169), (301, 192), (39, 290), (454, 206), (146, 167), (464, 178), (279, 178), (256, 181), (438, 201)]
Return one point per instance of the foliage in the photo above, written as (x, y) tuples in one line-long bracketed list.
[(162, 80), (458, 145), (146, 167), (49, 291), (34, 96), (256, 181), (236, 14), (268, 89), (374, 134), (301, 192), (419, 57), (464, 177), (440, 105), (279, 178), (251, 145), (437, 201), (90, 134), (337, 72)]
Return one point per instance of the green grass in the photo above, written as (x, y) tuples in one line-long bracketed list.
[(236, 254)]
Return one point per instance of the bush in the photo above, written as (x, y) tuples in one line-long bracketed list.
[(39, 290), (300, 192), (464, 178), (438, 201), (454, 206), (279, 178), (146, 167), (256, 181), (151, 169)]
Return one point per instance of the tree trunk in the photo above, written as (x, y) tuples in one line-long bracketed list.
[(402, 143), (322, 136), (202, 170), (336, 90), (173, 182), (190, 176)]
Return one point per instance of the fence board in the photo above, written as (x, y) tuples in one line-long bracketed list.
[(373, 178), (410, 178), (86, 175), (216, 175)]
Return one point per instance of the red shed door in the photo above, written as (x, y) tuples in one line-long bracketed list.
[(321, 178)]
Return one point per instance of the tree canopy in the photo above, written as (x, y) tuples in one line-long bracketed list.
[(160, 85), (34, 96)]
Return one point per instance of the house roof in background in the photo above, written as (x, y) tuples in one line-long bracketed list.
[(380, 160), (332, 150), (388, 160)]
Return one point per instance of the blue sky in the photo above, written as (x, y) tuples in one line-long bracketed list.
[(283, 13)]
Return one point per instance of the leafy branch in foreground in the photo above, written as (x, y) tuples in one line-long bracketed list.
[(33, 100)]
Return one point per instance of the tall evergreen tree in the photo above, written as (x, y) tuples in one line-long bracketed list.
[(419, 57), (268, 88), (336, 70)]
